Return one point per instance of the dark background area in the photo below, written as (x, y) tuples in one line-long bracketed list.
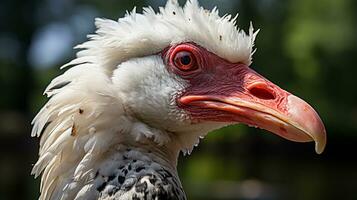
[(308, 47)]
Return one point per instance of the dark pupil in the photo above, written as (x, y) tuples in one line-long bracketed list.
[(185, 60)]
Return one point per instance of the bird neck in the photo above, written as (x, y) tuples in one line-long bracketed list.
[(156, 143), (138, 173), (165, 155)]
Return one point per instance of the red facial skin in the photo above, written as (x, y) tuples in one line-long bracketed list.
[(221, 91)]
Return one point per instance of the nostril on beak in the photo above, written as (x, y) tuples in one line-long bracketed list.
[(261, 91)]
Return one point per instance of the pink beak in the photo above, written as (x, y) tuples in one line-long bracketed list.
[(255, 101)]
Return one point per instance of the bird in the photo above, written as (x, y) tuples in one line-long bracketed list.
[(146, 88)]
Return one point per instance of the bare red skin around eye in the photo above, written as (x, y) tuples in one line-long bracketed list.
[(219, 77)]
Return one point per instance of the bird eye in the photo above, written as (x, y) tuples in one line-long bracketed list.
[(185, 61)]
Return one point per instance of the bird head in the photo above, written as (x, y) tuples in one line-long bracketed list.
[(189, 73), (167, 78)]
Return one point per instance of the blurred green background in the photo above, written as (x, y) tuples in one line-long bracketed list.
[(308, 47)]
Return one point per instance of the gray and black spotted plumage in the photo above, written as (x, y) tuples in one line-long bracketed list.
[(136, 179)]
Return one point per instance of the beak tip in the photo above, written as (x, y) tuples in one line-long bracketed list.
[(320, 144), (309, 121), (319, 149)]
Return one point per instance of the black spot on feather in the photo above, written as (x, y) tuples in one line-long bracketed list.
[(121, 179), (74, 130), (139, 169), (113, 191), (96, 174), (141, 187), (111, 177), (102, 186), (152, 179)]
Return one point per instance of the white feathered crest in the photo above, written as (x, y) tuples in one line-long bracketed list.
[(73, 127), (138, 35)]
